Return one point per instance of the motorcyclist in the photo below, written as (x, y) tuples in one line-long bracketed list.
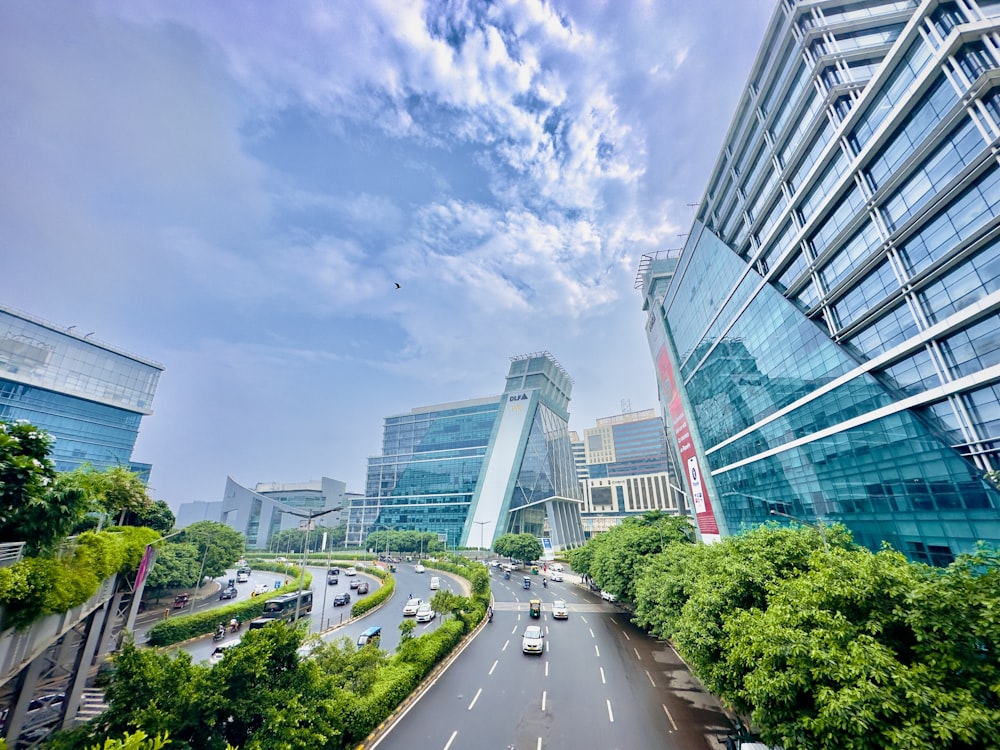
[(234, 625), (545, 583), (220, 631), (489, 614)]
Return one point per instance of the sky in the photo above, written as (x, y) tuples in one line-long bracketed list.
[(234, 190)]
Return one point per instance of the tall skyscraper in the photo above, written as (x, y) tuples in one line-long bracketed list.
[(627, 471), (474, 470), (827, 343), (88, 395)]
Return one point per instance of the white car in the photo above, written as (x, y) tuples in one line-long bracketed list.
[(352, 571), (556, 577), (418, 568), (220, 651), (559, 610), (608, 596), (262, 588), (411, 607), (435, 583), (425, 613), (557, 567), (532, 641)]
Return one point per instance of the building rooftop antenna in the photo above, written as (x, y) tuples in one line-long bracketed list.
[(626, 406)]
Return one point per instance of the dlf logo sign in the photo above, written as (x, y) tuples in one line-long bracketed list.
[(518, 397)]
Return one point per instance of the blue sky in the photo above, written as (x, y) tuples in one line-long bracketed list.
[(233, 190)]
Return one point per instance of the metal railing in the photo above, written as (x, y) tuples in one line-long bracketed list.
[(10, 553)]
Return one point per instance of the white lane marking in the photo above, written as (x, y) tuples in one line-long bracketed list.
[(672, 723), (493, 667), (450, 740), (478, 693), (626, 636), (583, 619), (591, 632), (505, 645), (611, 716), (603, 681), (544, 696), (597, 651), (539, 745), (546, 669), (650, 678), (637, 654)]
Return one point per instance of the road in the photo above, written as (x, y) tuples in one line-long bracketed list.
[(600, 682), (334, 623)]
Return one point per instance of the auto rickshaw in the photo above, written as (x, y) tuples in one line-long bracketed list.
[(392, 568), (525, 582), (535, 608), (181, 600), (534, 570)]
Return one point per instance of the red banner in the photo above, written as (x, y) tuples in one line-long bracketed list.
[(697, 491)]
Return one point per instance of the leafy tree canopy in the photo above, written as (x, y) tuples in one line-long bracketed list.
[(518, 546), (405, 542), (218, 545), (32, 508)]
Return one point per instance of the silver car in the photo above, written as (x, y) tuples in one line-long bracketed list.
[(533, 639), (425, 613), (411, 607)]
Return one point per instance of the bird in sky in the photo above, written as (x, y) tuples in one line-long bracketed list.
[(397, 284)]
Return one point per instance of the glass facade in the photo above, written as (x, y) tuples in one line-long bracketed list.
[(426, 476), (492, 465), (88, 396), (837, 357)]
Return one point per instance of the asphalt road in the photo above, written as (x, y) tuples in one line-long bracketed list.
[(334, 623), (600, 682)]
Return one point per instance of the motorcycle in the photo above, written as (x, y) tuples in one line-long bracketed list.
[(220, 633), (489, 616), (506, 575)]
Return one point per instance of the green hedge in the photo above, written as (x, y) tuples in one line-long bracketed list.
[(383, 592), (39, 586), (181, 628)]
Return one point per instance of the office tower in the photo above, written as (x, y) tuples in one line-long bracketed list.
[(827, 343), (474, 470), (628, 471), (89, 396)]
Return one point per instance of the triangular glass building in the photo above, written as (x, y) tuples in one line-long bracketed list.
[(474, 470)]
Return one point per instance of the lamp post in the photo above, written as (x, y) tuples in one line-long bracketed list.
[(818, 526), (481, 524), (305, 550)]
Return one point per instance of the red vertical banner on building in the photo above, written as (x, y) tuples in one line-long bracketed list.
[(697, 491)]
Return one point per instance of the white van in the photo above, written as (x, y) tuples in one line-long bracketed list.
[(435, 583)]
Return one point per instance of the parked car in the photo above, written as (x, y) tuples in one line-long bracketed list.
[(425, 613), (532, 641), (41, 717), (559, 610), (411, 607), (229, 592), (435, 583), (341, 599), (362, 587), (418, 568), (608, 596), (556, 577)]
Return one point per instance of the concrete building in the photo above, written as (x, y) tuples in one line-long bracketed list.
[(90, 396), (474, 470), (827, 343), (627, 471), (270, 507)]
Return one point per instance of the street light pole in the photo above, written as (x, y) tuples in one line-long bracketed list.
[(481, 524), (305, 550)]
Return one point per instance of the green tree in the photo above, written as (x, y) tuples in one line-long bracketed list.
[(622, 553), (518, 546), (116, 492), (218, 545), (871, 651), (32, 508), (156, 516), (176, 566)]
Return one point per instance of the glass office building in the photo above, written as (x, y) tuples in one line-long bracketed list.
[(827, 342), (89, 396), (473, 470)]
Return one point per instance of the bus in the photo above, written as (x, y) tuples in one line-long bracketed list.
[(283, 608)]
